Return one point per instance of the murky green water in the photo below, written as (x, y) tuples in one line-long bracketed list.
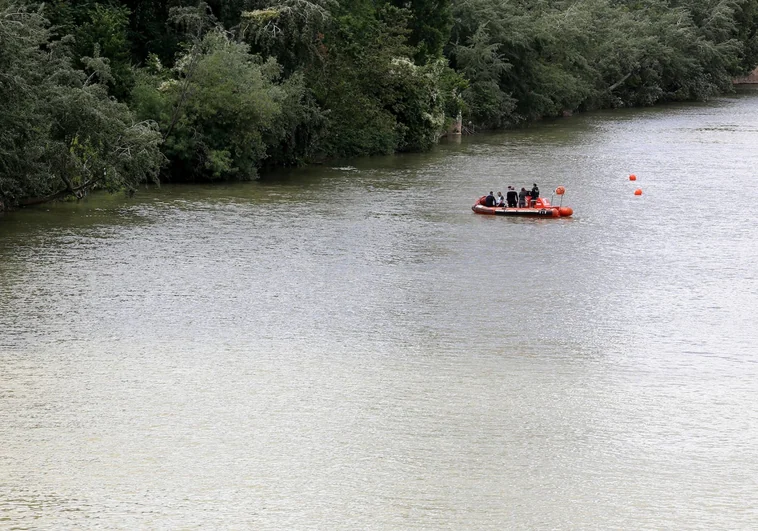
[(350, 347)]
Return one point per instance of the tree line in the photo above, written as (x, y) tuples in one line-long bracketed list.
[(111, 94)]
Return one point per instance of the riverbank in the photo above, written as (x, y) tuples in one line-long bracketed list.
[(751, 79), (215, 92), (275, 173)]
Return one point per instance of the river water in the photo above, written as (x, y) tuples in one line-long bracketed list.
[(350, 347)]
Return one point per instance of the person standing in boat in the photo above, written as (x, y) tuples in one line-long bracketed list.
[(512, 197), (522, 198), (500, 199), (489, 201), (535, 193)]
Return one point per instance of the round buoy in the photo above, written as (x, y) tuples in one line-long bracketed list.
[(638, 192), (560, 190), (632, 177), (565, 211)]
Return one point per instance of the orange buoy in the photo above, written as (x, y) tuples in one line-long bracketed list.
[(560, 190), (565, 211), (632, 177), (638, 192)]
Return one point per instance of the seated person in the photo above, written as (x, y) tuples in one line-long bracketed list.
[(489, 200), (500, 199)]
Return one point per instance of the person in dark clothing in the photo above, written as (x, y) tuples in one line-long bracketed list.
[(489, 200), (522, 198), (535, 193), (512, 197)]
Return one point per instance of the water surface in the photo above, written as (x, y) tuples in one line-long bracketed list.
[(350, 347)]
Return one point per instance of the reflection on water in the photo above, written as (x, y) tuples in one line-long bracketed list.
[(351, 347)]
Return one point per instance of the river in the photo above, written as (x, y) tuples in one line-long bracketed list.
[(349, 347)]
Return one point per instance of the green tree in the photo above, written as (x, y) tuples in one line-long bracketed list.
[(289, 30), (483, 66), (376, 99), (98, 29), (220, 109), (60, 133), (551, 57), (430, 25)]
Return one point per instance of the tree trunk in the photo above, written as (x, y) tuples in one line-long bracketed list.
[(618, 83)]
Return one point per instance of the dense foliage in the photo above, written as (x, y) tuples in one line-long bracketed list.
[(110, 93), (60, 132), (528, 59)]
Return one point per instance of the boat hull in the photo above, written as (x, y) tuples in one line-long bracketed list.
[(518, 212), (541, 209)]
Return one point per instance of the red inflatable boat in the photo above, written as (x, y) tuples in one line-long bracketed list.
[(541, 208)]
